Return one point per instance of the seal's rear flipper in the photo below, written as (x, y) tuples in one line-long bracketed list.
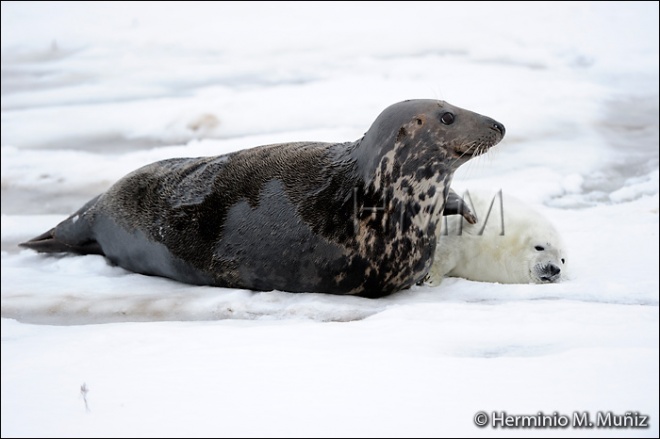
[(47, 243), (73, 235), (455, 205)]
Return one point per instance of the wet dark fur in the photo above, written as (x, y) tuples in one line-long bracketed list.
[(349, 218)]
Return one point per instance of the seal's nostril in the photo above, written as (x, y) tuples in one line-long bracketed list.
[(554, 270), (499, 127)]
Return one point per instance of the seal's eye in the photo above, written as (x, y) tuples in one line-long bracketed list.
[(563, 261), (539, 248), (447, 118)]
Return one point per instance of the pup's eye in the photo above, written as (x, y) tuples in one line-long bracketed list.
[(563, 261), (447, 118), (539, 248)]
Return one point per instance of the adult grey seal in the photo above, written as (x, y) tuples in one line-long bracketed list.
[(345, 218)]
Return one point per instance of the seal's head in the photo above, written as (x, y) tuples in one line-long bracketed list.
[(531, 249), (427, 137), (546, 261)]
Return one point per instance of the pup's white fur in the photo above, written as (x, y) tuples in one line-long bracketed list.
[(513, 244)]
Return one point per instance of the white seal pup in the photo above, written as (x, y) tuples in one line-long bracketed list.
[(510, 243)]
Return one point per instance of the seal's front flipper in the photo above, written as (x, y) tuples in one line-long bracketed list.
[(455, 205), (73, 235), (432, 279)]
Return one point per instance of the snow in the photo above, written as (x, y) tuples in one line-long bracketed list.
[(91, 91)]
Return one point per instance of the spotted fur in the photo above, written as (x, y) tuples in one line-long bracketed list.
[(346, 218)]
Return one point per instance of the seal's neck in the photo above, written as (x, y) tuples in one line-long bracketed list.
[(396, 179), (367, 154)]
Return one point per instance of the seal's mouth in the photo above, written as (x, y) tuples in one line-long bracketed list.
[(484, 143), (474, 151), (476, 148), (549, 279)]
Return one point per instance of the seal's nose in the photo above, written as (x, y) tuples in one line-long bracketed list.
[(551, 273), (499, 127), (554, 270)]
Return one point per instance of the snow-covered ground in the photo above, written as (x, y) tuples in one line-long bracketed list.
[(91, 91)]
